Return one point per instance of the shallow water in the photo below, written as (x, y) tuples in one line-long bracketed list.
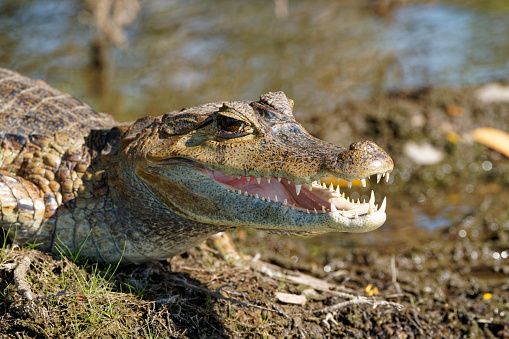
[(182, 53)]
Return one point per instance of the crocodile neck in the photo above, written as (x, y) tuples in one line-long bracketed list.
[(135, 213)]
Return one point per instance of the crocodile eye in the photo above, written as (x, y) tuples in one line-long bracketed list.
[(231, 127)]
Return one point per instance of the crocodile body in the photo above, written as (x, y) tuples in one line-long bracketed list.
[(76, 181)]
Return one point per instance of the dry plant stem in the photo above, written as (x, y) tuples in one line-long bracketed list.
[(358, 301), (395, 274), (22, 285), (300, 278), (219, 296)]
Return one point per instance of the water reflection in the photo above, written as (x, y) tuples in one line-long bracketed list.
[(447, 45)]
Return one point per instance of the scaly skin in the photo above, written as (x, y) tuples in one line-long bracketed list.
[(78, 182)]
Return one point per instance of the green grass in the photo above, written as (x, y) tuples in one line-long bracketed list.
[(76, 300)]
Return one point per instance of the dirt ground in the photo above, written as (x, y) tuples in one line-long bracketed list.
[(452, 282)]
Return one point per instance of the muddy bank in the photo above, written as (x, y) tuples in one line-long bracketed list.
[(446, 282)]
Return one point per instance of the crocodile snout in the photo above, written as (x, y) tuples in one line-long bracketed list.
[(363, 159)]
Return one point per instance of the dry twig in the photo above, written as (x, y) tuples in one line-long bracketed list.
[(358, 301), (20, 279), (394, 271)]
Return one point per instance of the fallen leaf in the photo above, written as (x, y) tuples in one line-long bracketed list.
[(455, 111), (493, 138), (291, 298)]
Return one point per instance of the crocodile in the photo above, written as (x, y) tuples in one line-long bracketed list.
[(78, 182)]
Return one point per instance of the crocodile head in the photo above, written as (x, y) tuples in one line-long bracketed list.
[(252, 164)]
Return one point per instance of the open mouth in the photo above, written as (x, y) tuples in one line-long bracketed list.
[(314, 197)]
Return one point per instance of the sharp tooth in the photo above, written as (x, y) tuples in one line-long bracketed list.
[(363, 182), (279, 179), (323, 208), (316, 212), (347, 198), (248, 178), (331, 187), (297, 188), (333, 207), (337, 190), (318, 181), (307, 211), (239, 192), (285, 202), (378, 177), (384, 204), (387, 177), (355, 215), (268, 199), (246, 194), (263, 198), (372, 198), (238, 177), (310, 187), (289, 182), (370, 208), (294, 206), (324, 185), (268, 180), (349, 183), (343, 213), (257, 197), (275, 198), (259, 180), (343, 195), (358, 200)]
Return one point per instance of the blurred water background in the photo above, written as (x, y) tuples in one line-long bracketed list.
[(180, 53)]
